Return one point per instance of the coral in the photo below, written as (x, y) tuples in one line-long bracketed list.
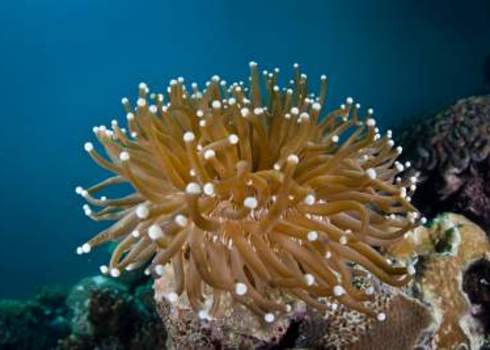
[(304, 327), (88, 301), (341, 328), (408, 320), (33, 324), (238, 328), (450, 151), (448, 248), (106, 314), (97, 313), (252, 195)]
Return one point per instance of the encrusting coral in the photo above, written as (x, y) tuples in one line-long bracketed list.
[(251, 194), (447, 248)]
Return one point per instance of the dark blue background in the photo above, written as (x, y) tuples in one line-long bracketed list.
[(64, 66)]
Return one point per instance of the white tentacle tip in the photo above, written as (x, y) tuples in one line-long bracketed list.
[(181, 220), (310, 199), (293, 159), (104, 269), (312, 236), (216, 104), (338, 291), (193, 188), (258, 111), (208, 154), (240, 288), (160, 270), (86, 248), (309, 279), (88, 146), (142, 211), (371, 122), (250, 202), (124, 156), (208, 189), (269, 317), (189, 136), (233, 139), (155, 232), (245, 112), (371, 173)]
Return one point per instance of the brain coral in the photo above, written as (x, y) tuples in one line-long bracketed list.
[(451, 153), (253, 193)]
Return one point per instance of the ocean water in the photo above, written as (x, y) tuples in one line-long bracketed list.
[(65, 65)]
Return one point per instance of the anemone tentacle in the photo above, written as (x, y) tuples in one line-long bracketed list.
[(249, 191)]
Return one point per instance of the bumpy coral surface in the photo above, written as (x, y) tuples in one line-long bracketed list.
[(304, 327), (252, 194), (108, 314), (449, 247), (451, 153)]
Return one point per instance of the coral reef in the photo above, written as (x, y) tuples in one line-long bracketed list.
[(252, 196), (450, 151)]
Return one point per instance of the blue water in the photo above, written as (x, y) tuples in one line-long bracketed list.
[(64, 66)]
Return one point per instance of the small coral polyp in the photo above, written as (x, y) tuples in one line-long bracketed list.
[(252, 193)]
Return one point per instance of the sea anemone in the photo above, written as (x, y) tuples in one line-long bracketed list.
[(252, 195)]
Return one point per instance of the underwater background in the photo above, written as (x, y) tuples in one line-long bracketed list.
[(65, 66)]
